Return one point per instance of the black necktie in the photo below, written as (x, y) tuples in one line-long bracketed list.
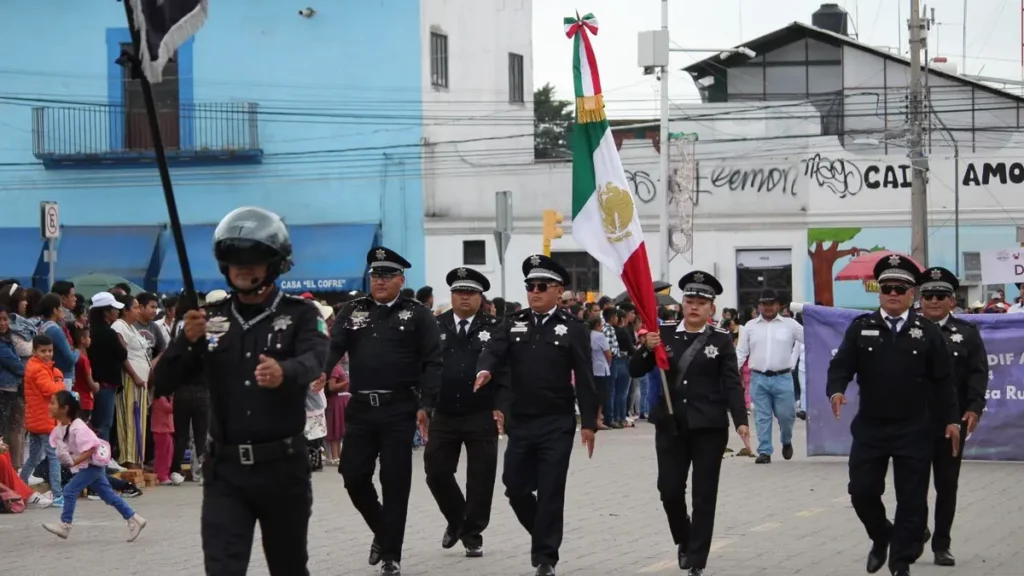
[(539, 318), (462, 328), (894, 323)]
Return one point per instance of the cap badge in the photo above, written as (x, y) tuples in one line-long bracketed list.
[(535, 260), (698, 277), (462, 273), (936, 274), (894, 260), (381, 254)]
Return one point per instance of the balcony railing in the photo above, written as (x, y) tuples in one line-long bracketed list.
[(106, 134)]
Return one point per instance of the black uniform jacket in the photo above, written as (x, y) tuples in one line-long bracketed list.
[(970, 363), (542, 361), (903, 380), (396, 347), (459, 373), (288, 329), (710, 389)]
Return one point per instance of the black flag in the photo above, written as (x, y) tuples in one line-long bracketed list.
[(163, 26)]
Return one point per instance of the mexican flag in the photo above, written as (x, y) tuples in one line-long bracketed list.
[(604, 217)]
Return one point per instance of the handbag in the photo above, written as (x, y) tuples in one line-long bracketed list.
[(10, 501)]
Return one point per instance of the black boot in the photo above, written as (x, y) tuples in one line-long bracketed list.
[(545, 570), (684, 562), (390, 568), (944, 557), (449, 539)]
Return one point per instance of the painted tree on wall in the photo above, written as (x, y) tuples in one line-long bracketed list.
[(824, 258)]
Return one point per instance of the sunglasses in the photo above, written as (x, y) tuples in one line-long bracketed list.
[(384, 277), (536, 287), (898, 289), (933, 296)]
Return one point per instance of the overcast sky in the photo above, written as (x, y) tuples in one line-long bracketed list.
[(993, 38)]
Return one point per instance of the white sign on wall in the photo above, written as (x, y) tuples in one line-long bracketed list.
[(49, 220), (1002, 266)]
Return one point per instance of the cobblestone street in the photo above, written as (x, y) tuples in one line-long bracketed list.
[(785, 518)]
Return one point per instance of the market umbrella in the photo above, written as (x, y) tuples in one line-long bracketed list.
[(863, 267), (89, 284), (659, 286)]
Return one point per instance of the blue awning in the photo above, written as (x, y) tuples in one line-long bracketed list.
[(199, 247), (22, 256), (329, 257), (131, 252)]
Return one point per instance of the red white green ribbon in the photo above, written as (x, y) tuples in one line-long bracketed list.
[(586, 79)]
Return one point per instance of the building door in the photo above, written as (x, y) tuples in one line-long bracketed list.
[(137, 135), (757, 270)]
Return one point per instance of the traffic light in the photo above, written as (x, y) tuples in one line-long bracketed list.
[(552, 230)]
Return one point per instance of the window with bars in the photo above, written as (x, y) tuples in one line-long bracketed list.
[(584, 270), (439, 60), (474, 252), (516, 90)]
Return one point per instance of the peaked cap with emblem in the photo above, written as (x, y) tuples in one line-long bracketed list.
[(386, 261), (467, 280), (939, 279), (700, 283), (541, 267), (896, 268)]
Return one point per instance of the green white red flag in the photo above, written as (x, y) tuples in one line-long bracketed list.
[(604, 217)]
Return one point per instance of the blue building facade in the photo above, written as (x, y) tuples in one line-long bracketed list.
[(318, 119)]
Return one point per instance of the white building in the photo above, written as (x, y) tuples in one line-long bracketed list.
[(800, 166)]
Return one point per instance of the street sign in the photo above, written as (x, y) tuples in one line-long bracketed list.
[(501, 240), (49, 220), (502, 222)]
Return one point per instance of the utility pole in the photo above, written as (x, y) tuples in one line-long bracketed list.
[(919, 188), (663, 233)]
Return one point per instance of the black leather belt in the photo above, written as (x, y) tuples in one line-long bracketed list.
[(249, 454), (771, 373), (378, 399)]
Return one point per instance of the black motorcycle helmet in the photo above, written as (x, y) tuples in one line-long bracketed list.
[(249, 236)]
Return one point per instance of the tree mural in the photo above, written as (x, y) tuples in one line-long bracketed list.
[(824, 258)]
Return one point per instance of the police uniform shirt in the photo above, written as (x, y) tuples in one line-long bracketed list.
[(542, 353), (287, 329), (391, 347), (970, 362), (897, 377), (460, 353), (711, 388)]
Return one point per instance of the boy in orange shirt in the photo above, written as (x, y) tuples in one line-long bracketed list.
[(42, 381)]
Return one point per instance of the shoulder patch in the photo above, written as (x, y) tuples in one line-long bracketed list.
[(721, 330), (863, 317)]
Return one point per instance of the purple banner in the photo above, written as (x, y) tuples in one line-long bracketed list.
[(1001, 425)]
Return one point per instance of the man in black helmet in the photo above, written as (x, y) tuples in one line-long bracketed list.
[(259, 351)]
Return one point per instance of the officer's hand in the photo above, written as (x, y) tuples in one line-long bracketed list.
[(195, 325), (744, 433), (269, 373), (319, 384), (587, 439), (971, 420), (499, 420), (482, 378), (653, 339), (837, 401), (423, 423), (953, 433)]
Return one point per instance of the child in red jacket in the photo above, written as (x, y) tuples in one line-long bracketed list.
[(42, 381)]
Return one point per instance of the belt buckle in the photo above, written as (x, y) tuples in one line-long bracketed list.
[(245, 455), (374, 399)]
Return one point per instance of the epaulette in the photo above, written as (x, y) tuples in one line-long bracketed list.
[(522, 314), (566, 315), (721, 330), (863, 317), (405, 300)]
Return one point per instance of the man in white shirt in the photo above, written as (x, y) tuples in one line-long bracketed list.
[(1018, 308), (769, 342)]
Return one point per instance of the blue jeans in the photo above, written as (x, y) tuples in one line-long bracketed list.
[(38, 449), (94, 478), (103, 411), (772, 396), (619, 389)]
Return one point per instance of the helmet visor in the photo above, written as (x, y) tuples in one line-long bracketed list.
[(242, 252)]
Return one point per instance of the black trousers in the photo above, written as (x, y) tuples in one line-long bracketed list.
[(947, 479), (537, 460), (191, 414), (702, 450), (909, 446), (467, 515), (276, 494), (387, 432)]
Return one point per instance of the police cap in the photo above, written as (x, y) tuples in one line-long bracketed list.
[(384, 260), (896, 268), (464, 279), (938, 279), (541, 267), (701, 284)]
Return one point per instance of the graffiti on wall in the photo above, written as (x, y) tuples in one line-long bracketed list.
[(642, 185)]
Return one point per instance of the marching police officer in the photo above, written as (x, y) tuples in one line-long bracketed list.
[(543, 347), (970, 368), (259, 350), (464, 417), (906, 383), (705, 387), (395, 369)]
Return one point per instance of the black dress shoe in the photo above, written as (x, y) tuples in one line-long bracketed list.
[(787, 451), (901, 571), (763, 459), (696, 572), (877, 557), (475, 551), (919, 547), (684, 561), (545, 570), (374, 558), (449, 539), (801, 414), (390, 568), (944, 558)]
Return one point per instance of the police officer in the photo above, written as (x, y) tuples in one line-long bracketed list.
[(905, 381), (543, 347), (970, 367), (259, 351), (464, 417), (395, 370), (705, 387)]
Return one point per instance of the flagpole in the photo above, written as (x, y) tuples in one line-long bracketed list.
[(161, 158)]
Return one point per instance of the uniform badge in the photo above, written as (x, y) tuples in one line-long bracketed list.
[(711, 351), (535, 260), (462, 273), (218, 325), (916, 333), (958, 338), (484, 335), (936, 275), (380, 254), (518, 327), (561, 329), (698, 277), (281, 323), (405, 315), (952, 328)]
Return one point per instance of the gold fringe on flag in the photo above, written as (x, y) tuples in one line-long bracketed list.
[(590, 109)]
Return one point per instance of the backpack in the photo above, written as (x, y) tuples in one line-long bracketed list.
[(102, 456), (10, 501)]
